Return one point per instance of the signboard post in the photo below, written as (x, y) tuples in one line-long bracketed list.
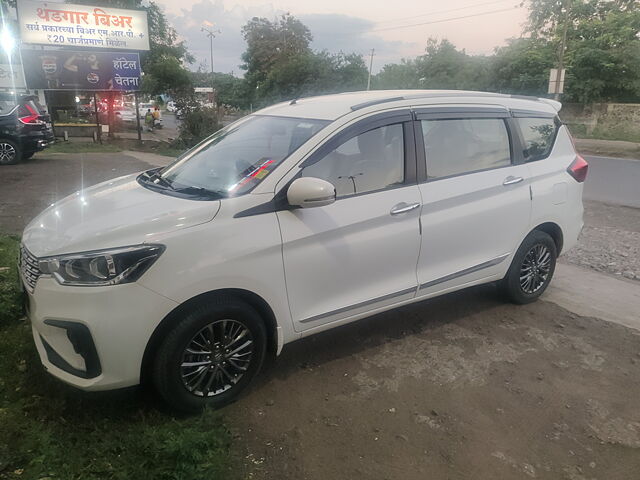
[(556, 85), (69, 25), (138, 127)]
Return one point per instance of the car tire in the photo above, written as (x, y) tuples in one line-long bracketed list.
[(10, 152), (198, 366), (532, 268)]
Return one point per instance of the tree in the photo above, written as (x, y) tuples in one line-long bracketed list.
[(602, 45), (522, 67), (281, 65), (604, 57), (443, 66), (271, 45), (398, 75)]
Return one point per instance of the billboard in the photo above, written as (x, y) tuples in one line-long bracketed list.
[(11, 76), (88, 70), (66, 24)]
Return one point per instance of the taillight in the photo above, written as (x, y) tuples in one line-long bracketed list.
[(30, 116), (578, 169)]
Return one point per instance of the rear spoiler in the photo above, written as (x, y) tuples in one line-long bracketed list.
[(554, 103)]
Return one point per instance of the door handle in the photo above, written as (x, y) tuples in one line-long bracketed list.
[(511, 180), (403, 208)]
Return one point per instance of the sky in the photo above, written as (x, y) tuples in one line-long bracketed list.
[(394, 29)]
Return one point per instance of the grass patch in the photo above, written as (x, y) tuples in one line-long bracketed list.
[(579, 130), (116, 145), (10, 307), (82, 147), (50, 430)]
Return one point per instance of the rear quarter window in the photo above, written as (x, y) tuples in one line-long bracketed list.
[(539, 135), (7, 103)]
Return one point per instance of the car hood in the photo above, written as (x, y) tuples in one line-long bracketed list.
[(115, 213)]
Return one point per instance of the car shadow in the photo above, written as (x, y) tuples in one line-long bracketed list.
[(368, 333), (311, 352)]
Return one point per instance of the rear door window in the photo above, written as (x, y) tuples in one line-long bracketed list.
[(539, 135), (459, 146)]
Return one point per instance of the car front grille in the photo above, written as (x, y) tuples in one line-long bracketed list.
[(29, 268)]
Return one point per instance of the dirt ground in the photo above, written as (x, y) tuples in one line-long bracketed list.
[(31, 186), (459, 387), (611, 148)]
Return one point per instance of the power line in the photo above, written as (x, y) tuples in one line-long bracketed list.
[(442, 20), (436, 12)]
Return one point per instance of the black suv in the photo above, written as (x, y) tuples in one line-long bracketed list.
[(25, 128)]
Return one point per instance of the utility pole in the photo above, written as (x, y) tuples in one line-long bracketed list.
[(563, 44), (370, 68), (211, 34)]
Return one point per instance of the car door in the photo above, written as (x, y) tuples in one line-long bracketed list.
[(359, 253), (475, 195)]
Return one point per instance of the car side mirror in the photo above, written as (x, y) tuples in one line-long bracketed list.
[(308, 192)]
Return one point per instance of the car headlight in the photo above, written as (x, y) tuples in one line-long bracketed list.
[(101, 267)]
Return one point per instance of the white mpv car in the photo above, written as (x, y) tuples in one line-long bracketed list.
[(296, 219)]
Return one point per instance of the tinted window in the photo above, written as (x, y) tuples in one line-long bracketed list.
[(538, 135), (371, 161), (465, 145), (7, 103), (235, 159)]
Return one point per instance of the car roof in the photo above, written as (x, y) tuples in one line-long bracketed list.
[(332, 107)]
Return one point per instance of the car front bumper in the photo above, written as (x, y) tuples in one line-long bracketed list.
[(94, 338)]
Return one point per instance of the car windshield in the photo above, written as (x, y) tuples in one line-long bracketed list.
[(237, 158)]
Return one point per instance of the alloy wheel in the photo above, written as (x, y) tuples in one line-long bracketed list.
[(7, 152), (535, 268), (216, 358)]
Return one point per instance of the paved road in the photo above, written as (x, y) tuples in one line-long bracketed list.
[(613, 180)]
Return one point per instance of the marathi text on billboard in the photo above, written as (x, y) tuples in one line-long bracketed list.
[(66, 24), (87, 70)]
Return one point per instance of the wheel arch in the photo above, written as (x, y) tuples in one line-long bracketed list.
[(554, 231), (251, 298)]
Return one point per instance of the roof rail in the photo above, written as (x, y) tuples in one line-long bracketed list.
[(525, 97), (461, 93), (375, 102)]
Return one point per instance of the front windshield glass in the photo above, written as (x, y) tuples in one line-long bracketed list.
[(240, 156)]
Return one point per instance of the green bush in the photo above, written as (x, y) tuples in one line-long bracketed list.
[(197, 124)]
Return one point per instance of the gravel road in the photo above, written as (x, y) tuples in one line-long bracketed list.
[(609, 242)]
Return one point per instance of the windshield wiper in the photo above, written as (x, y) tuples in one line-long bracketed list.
[(199, 191), (157, 179)]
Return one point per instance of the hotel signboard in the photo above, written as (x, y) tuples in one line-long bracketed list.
[(87, 70)]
